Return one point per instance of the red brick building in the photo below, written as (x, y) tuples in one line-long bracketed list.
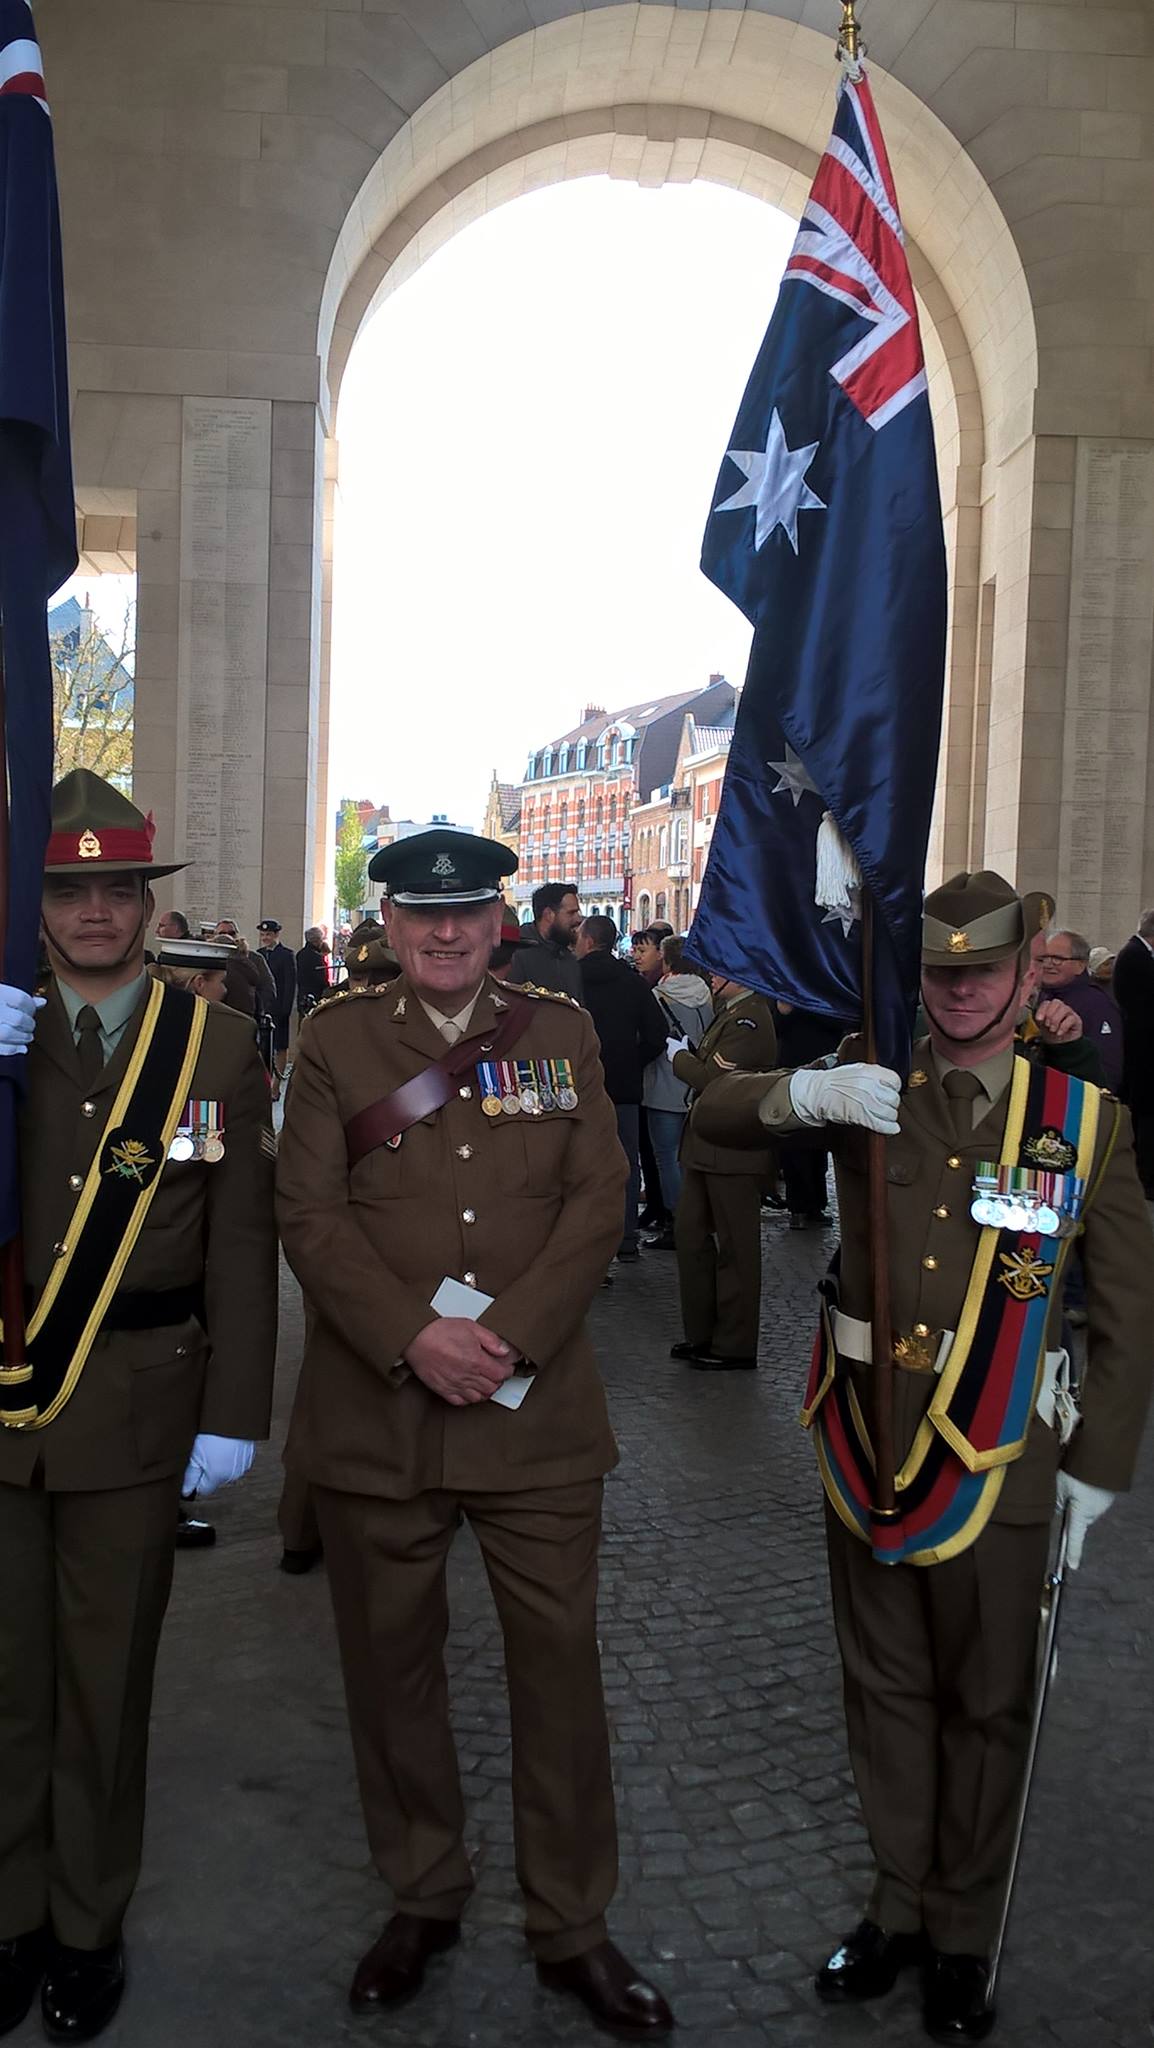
[(580, 790)]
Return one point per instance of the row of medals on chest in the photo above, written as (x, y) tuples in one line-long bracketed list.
[(510, 1087), (1026, 1199), (200, 1133)]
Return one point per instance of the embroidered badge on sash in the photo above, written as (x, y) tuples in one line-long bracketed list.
[(131, 1161), (1025, 1276), (1050, 1149)]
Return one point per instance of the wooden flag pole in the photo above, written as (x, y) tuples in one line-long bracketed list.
[(881, 1327), (11, 1254)]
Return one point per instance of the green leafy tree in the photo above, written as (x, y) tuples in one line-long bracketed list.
[(350, 864), (92, 693)]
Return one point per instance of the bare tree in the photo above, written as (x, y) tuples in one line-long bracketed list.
[(93, 697)]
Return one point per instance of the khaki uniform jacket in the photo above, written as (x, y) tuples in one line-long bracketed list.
[(742, 1036), (144, 1394), (529, 1209), (933, 1239)]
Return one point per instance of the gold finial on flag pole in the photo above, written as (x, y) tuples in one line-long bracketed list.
[(850, 47)]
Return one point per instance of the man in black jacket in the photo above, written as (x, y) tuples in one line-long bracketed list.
[(279, 960), (547, 958), (1134, 995), (312, 970), (630, 1025)]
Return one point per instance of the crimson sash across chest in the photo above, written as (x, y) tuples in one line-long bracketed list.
[(110, 1209), (977, 1421)]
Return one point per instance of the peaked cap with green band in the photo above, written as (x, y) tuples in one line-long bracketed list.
[(975, 920), (95, 829)]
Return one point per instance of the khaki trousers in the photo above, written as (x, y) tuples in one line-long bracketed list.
[(938, 1665), (84, 1583), (386, 1565), (718, 1236)]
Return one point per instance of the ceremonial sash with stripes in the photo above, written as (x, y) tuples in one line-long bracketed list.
[(110, 1209), (977, 1421)]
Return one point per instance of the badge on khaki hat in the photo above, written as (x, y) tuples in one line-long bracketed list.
[(95, 826), (972, 919)]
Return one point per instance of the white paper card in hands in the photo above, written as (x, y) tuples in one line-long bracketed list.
[(453, 1298)]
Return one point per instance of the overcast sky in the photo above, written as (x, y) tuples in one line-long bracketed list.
[(530, 429)]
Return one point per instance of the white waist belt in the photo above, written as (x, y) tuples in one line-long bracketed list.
[(853, 1338)]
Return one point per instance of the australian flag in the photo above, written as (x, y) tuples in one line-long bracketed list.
[(826, 529), (37, 519)]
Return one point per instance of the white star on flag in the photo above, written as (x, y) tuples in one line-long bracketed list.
[(775, 484), (795, 777), (846, 914)]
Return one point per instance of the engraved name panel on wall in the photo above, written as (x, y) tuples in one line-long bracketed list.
[(224, 566), (1107, 725)]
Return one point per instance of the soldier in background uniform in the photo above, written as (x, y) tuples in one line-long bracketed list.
[(449, 1235), (717, 1229), (937, 1616), (150, 1255)]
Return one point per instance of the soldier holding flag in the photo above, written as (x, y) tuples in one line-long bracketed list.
[(938, 1399), (993, 1164), (150, 1255)]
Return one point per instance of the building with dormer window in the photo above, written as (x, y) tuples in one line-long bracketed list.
[(579, 793)]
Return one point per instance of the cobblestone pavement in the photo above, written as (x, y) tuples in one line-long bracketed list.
[(742, 1853)]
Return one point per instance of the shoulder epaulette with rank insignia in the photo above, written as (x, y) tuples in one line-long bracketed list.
[(548, 995), (347, 995)]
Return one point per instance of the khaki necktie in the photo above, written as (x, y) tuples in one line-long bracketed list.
[(450, 1031), (963, 1089), (88, 1046)]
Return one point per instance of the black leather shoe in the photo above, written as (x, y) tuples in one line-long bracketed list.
[(717, 1361), (394, 1968), (21, 1968), (621, 2002), (297, 1562), (954, 1998), (661, 1241), (82, 1990), (867, 1962), (194, 1535), (682, 1350)]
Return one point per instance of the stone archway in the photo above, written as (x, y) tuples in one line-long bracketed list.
[(472, 149), (231, 211)]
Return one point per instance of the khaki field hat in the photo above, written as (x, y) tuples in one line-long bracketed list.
[(975, 919), (95, 828)]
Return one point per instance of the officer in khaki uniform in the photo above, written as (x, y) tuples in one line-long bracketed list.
[(447, 1129), (100, 1432), (937, 1615), (717, 1229)]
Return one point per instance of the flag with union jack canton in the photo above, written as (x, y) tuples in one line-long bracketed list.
[(826, 530), (37, 519)]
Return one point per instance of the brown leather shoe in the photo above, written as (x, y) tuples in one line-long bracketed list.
[(620, 2000), (394, 1968)]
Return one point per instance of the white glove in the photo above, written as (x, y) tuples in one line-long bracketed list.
[(1087, 1504), (847, 1095), (17, 1018), (673, 1046), (216, 1461)]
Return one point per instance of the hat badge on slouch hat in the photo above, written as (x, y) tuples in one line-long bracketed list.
[(95, 826), (442, 867), (973, 919)]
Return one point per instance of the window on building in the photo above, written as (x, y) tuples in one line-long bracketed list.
[(659, 908), (644, 906), (563, 761), (547, 761), (582, 753), (663, 847)]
